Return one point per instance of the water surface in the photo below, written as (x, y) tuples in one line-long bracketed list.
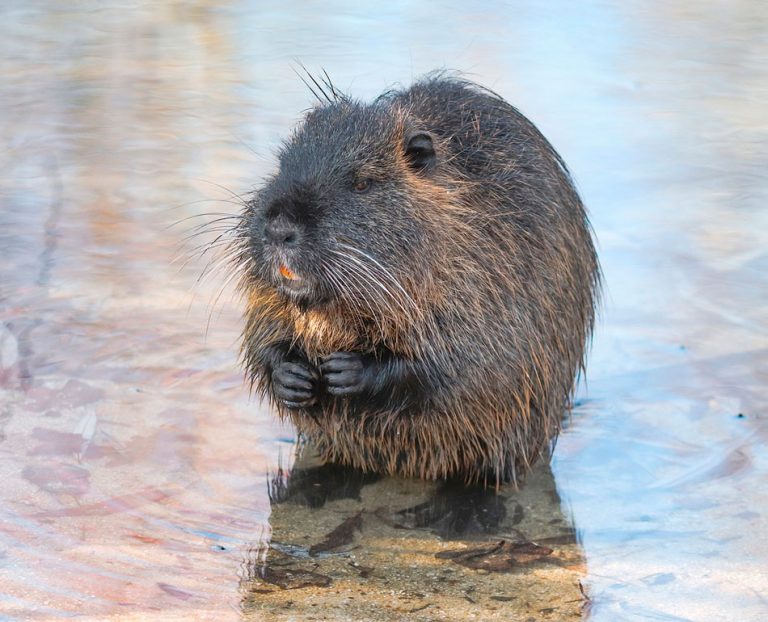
[(135, 464)]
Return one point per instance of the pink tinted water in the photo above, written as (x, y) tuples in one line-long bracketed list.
[(132, 460)]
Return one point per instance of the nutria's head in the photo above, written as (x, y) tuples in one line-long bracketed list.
[(345, 225)]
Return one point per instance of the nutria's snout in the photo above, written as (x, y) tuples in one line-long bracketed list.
[(283, 233), (286, 258)]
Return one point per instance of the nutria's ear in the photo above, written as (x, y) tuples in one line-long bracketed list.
[(420, 152)]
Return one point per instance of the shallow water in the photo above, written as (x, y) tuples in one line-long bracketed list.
[(134, 463)]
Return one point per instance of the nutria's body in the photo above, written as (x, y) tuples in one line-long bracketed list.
[(421, 283)]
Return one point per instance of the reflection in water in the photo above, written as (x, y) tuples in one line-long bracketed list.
[(132, 457), (455, 512), (315, 486), (343, 543)]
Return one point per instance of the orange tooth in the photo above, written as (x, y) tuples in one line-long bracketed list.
[(287, 272)]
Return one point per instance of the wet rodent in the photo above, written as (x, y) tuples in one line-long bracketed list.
[(421, 283)]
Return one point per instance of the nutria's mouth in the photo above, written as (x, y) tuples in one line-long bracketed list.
[(301, 294), (287, 273), (293, 286)]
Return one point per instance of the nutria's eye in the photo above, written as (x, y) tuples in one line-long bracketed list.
[(362, 186)]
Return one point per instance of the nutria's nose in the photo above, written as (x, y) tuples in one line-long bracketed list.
[(282, 232)]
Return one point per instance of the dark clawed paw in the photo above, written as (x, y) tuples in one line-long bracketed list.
[(295, 384), (343, 373)]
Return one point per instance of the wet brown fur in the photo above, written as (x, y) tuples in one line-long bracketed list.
[(497, 299)]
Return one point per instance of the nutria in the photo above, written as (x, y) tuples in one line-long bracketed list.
[(420, 282)]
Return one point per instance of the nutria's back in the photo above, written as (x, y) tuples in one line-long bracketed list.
[(421, 283)]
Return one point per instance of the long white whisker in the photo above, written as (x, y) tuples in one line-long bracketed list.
[(218, 296), (363, 295), (335, 280), (385, 272), (372, 277)]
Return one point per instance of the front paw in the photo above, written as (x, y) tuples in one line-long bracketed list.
[(295, 384), (344, 373)]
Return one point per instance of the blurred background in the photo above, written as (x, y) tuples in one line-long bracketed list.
[(132, 458)]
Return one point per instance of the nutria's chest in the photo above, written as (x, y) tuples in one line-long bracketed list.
[(319, 334)]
